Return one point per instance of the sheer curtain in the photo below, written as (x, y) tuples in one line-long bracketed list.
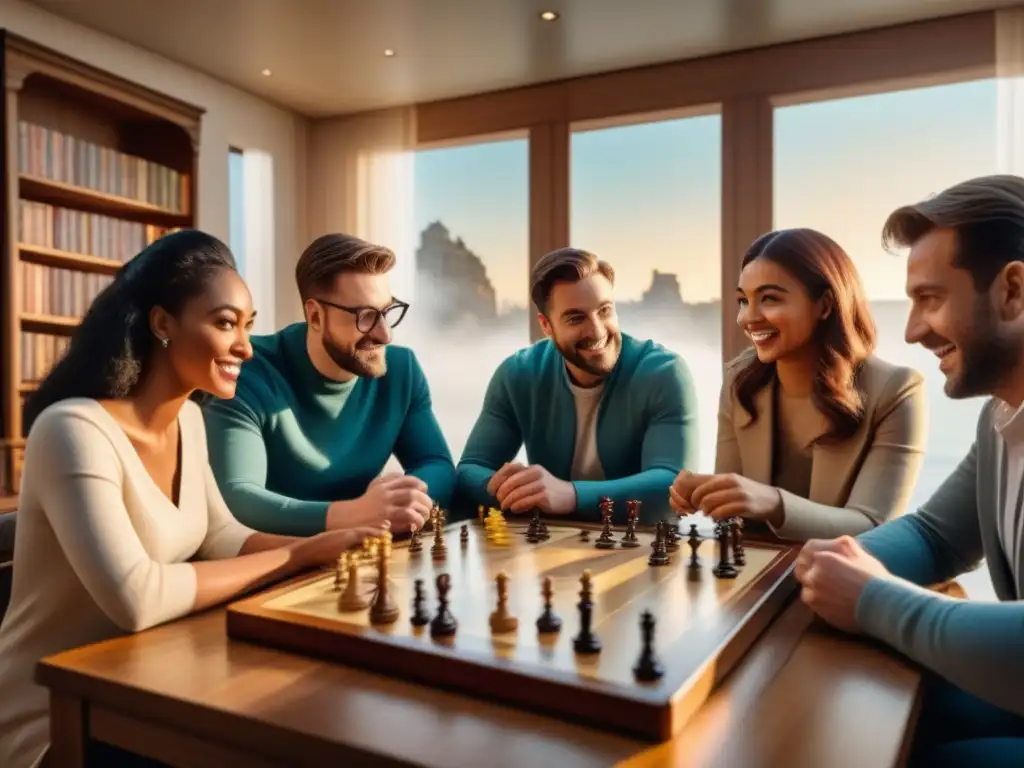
[(1010, 74), (360, 177)]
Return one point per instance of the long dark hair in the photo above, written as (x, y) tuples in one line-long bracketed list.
[(844, 338), (110, 350)]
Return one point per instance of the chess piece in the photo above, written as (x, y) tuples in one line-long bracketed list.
[(443, 624), (501, 619), (648, 668), (738, 555), (543, 533), (549, 621), (659, 555), (671, 536), (724, 569), (384, 609), (352, 599), (585, 534), (439, 550), (533, 529), (420, 617), (694, 542), (464, 536), (605, 540), (480, 513), (416, 541), (340, 567), (632, 515), (586, 641)]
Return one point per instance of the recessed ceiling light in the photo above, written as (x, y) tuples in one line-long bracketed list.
[(388, 52), (266, 73), (549, 15)]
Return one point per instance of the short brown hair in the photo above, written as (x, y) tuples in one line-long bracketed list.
[(564, 265), (987, 214), (330, 255)]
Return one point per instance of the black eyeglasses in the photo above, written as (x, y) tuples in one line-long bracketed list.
[(368, 317)]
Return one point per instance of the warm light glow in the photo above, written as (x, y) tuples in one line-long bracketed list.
[(266, 73), (549, 15), (388, 52)]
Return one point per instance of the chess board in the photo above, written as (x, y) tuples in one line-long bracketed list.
[(704, 624)]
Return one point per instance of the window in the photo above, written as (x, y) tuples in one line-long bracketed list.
[(470, 291), (236, 206), (842, 166), (646, 198)]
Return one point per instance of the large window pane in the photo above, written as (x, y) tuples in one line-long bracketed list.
[(469, 304), (842, 166), (647, 198), (236, 207)]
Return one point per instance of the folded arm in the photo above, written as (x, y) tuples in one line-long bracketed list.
[(974, 645), (669, 446), (495, 440), (421, 448), (238, 456)]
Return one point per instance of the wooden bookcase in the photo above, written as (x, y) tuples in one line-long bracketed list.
[(94, 168)]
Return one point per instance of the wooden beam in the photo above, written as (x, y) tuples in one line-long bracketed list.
[(549, 196), (941, 50), (747, 149)]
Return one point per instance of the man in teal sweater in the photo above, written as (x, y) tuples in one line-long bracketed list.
[(965, 276), (325, 403), (601, 413)]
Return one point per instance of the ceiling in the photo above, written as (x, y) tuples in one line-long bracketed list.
[(326, 57)]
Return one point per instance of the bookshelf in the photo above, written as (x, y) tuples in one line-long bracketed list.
[(94, 168)]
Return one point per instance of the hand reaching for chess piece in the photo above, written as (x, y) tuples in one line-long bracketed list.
[(730, 495), (324, 548), (682, 489), (520, 489), (399, 499)]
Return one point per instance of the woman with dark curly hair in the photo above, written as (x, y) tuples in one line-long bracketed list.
[(817, 437), (121, 525)]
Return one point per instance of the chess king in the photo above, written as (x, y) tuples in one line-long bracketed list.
[(324, 404), (600, 412)]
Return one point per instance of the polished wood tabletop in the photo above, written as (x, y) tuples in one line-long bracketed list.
[(187, 695)]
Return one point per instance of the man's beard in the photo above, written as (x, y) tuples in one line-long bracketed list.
[(571, 353), (986, 356), (354, 359)]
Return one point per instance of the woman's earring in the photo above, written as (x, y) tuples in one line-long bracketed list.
[(164, 343)]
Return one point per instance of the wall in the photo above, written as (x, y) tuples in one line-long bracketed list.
[(232, 117)]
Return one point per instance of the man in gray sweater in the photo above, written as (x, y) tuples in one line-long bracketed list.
[(965, 278)]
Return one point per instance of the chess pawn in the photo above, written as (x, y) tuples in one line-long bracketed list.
[(659, 555), (548, 621), (416, 541), (439, 550), (501, 619)]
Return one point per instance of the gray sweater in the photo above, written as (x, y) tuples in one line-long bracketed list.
[(976, 646)]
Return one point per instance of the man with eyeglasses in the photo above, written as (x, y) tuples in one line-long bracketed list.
[(325, 403)]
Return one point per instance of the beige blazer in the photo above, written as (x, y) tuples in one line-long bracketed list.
[(855, 485)]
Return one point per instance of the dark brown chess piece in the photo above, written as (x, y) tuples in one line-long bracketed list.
[(738, 554), (548, 621), (632, 515), (605, 540), (586, 641), (444, 623), (648, 668), (659, 555), (420, 617), (695, 564), (724, 569)]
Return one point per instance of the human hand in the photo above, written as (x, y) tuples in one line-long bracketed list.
[(835, 580), (324, 548), (732, 495), (399, 499), (520, 489), (810, 549), (681, 490)]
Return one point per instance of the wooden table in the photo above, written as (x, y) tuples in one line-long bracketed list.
[(185, 694)]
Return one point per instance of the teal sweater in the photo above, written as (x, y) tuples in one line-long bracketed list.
[(291, 441), (646, 428)]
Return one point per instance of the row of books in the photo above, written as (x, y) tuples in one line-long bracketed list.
[(70, 159), (86, 233), (62, 292), (39, 353)]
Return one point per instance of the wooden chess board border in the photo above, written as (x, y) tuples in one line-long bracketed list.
[(695, 662)]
